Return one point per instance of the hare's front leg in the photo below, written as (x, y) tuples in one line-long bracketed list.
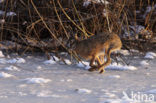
[(99, 60), (108, 61)]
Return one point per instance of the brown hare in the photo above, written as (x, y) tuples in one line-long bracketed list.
[(97, 46)]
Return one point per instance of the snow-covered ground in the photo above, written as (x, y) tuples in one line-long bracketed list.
[(34, 79)]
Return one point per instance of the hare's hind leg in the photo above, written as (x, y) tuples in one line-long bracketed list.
[(108, 61), (93, 67), (100, 61), (92, 61)]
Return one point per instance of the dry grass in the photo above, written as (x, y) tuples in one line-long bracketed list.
[(53, 25)]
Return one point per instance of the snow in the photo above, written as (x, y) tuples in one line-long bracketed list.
[(113, 66), (144, 63), (138, 11), (11, 68), (3, 96), (2, 61), (1, 54), (148, 10), (83, 64), (116, 66), (64, 53), (134, 51), (69, 80), (148, 74), (36, 80), (113, 101), (51, 61), (100, 1), (124, 52), (103, 1), (8, 13), (83, 91), (137, 28), (118, 101), (11, 14), (150, 55), (5, 75), (56, 58), (66, 82), (2, 12), (114, 76), (16, 60), (105, 12), (153, 91), (22, 94), (88, 2), (22, 86), (108, 95), (80, 65), (46, 94), (12, 61), (2, 21), (39, 67), (124, 99), (87, 67), (55, 96), (68, 62)]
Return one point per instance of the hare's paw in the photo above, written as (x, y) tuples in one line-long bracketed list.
[(92, 69), (102, 71)]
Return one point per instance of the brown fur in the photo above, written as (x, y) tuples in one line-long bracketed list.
[(98, 46)]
